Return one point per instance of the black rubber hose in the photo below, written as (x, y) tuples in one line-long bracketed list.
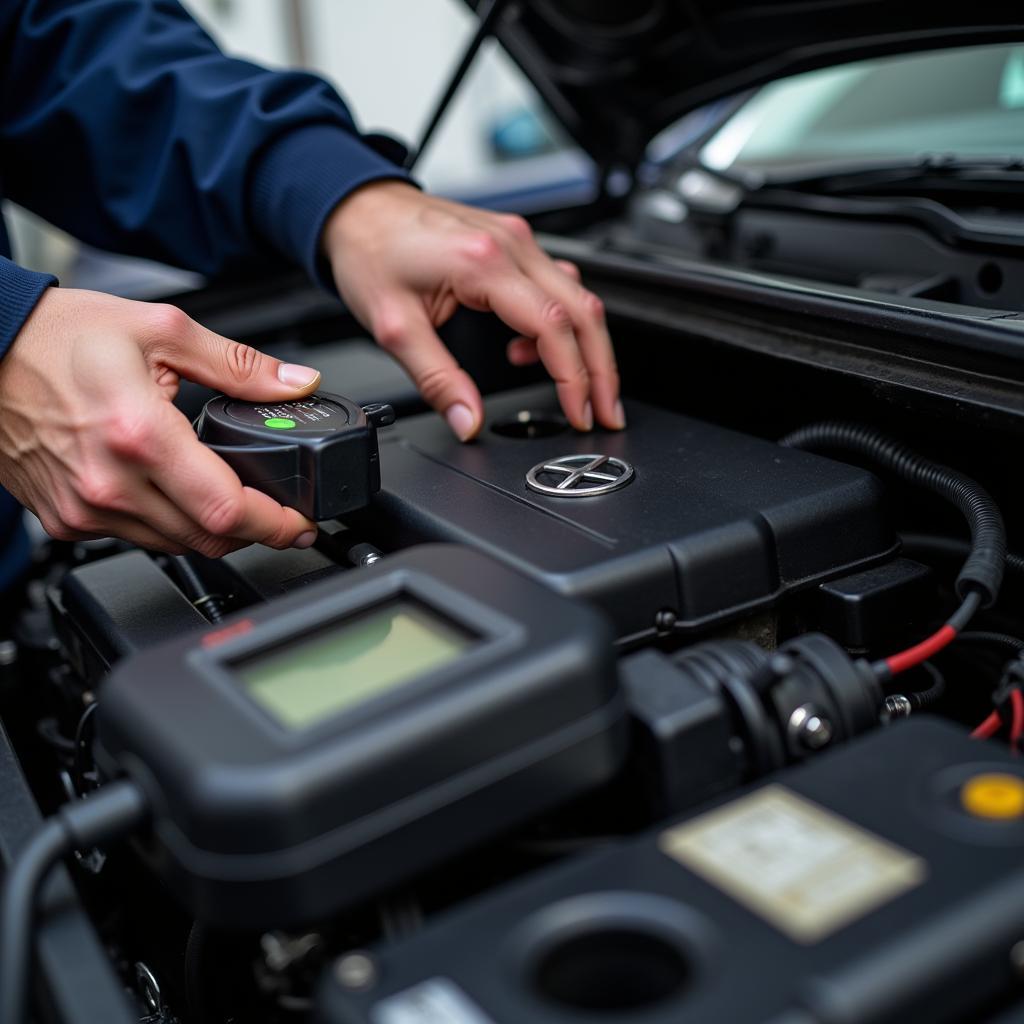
[(984, 567), (109, 813), (21, 884)]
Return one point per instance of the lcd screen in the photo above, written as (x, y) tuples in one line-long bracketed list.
[(339, 666)]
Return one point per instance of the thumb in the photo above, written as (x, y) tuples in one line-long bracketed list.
[(236, 369)]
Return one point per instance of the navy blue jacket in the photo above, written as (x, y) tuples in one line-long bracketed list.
[(121, 122)]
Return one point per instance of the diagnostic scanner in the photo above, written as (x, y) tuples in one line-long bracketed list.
[(318, 455), (315, 750)]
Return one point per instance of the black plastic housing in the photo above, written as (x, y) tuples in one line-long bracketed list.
[(106, 610), (714, 525), (325, 465), (640, 921), (866, 608), (258, 825)]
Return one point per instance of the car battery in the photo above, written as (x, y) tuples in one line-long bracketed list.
[(671, 523), (881, 883)]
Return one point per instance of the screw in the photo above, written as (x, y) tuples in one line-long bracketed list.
[(811, 730), (897, 706), (355, 971)]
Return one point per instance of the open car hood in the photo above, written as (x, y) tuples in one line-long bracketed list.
[(616, 72)]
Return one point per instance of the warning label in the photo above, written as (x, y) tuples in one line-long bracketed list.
[(806, 870)]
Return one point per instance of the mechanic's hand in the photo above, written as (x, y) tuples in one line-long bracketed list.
[(404, 262), (90, 441)]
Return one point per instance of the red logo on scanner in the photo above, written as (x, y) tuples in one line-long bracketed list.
[(216, 638)]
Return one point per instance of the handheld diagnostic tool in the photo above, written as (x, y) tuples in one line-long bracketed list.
[(318, 455), (322, 747)]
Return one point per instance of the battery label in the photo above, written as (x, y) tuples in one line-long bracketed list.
[(435, 1001), (805, 870)]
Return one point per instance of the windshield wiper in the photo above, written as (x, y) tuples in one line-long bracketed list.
[(849, 175)]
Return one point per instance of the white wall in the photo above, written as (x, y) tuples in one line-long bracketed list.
[(391, 60), (254, 29)]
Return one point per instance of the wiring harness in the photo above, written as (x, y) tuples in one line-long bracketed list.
[(981, 576)]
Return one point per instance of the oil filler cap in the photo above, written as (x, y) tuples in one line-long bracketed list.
[(995, 796), (318, 455)]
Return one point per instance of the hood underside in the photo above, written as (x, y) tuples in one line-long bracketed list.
[(616, 72)]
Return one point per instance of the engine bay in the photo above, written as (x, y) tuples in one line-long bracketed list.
[(688, 722)]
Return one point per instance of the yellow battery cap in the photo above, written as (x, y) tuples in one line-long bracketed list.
[(993, 795)]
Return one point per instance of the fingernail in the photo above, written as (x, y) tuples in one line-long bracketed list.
[(620, 416), (305, 540), (462, 421), (588, 417), (295, 376)]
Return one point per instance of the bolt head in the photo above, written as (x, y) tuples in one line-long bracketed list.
[(898, 706), (811, 730), (355, 971), (816, 732)]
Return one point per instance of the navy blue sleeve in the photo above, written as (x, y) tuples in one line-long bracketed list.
[(121, 122), (20, 290)]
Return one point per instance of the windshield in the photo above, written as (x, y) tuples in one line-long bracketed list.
[(962, 103)]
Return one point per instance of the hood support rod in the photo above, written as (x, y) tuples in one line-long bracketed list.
[(488, 18)]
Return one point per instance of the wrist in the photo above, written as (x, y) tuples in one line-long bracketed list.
[(356, 216)]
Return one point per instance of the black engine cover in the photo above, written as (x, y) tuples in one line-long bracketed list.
[(713, 524)]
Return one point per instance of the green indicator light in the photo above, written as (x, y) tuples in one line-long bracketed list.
[(279, 423)]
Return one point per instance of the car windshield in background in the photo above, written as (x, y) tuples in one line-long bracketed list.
[(961, 104)]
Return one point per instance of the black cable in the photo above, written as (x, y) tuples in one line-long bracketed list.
[(83, 746), (920, 699), (198, 592), (49, 732), (968, 607), (107, 814), (955, 547), (981, 636), (986, 561)]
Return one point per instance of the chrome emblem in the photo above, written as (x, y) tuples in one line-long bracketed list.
[(579, 476)]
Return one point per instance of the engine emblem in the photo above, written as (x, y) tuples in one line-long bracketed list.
[(579, 476)]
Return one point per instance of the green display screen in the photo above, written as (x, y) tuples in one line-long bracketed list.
[(344, 664)]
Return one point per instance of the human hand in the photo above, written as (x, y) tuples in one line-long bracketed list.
[(404, 262), (90, 440)]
